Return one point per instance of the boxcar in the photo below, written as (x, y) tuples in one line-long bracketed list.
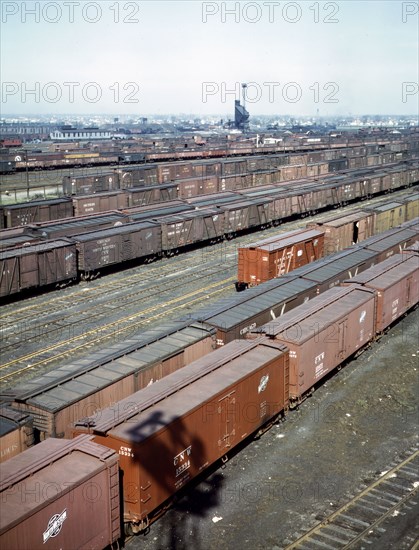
[(99, 202), (270, 258), (321, 334), (16, 432), (390, 242), (396, 281), (344, 230), (107, 247), (37, 211), (332, 270), (412, 206), (85, 185), (188, 228), (151, 194), (82, 388), (170, 432), (233, 318), (73, 226), (387, 216), (60, 495), (139, 176), (37, 265)]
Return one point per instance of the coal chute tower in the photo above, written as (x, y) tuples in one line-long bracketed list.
[(241, 115)]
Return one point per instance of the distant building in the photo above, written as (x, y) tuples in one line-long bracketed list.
[(76, 134), (241, 116)]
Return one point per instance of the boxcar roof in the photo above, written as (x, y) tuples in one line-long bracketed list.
[(317, 312), (145, 398), (34, 248), (70, 383), (163, 413), (241, 312)]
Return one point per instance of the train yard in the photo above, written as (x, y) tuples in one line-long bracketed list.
[(70, 322), (86, 359)]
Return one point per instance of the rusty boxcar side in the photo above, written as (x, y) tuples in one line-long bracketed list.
[(60, 495), (343, 231), (396, 281), (322, 334), (270, 258), (16, 432), (37, 265), (169, 437)]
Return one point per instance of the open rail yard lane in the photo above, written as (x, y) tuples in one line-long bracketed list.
[(38, 334)]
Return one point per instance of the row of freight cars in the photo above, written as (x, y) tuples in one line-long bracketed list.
[(74, 249), (275, 256), (162, 437), (190, 179), (27, 160), (45, 257), (310, 194)]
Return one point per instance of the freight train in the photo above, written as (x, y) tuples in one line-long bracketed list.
[(171, 432), (42, 256), (31, 160)]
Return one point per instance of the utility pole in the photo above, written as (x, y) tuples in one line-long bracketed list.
[(27, 174)]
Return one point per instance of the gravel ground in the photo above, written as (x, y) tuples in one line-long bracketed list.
[(339, 440)]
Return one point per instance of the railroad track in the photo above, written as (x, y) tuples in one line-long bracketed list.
[(360, 518), (13, 313), (116, 330)]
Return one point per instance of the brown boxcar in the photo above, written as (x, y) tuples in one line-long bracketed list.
[(37, 265), (270, 258), (16, 432), (322, 334), (85, 185), (99, 202), (234, 317), (344, 230), (170, 432), (151, 194), (138, 176), (396, 281), (108, 247), (81, 388), (191, 227), (60, 495), (37, 211)]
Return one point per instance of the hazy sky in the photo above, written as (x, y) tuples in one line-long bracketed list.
[(189, 56)]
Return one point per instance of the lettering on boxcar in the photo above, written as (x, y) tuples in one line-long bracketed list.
[(126, 451)]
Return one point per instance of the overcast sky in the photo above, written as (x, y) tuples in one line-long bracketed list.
[(334, 58)]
